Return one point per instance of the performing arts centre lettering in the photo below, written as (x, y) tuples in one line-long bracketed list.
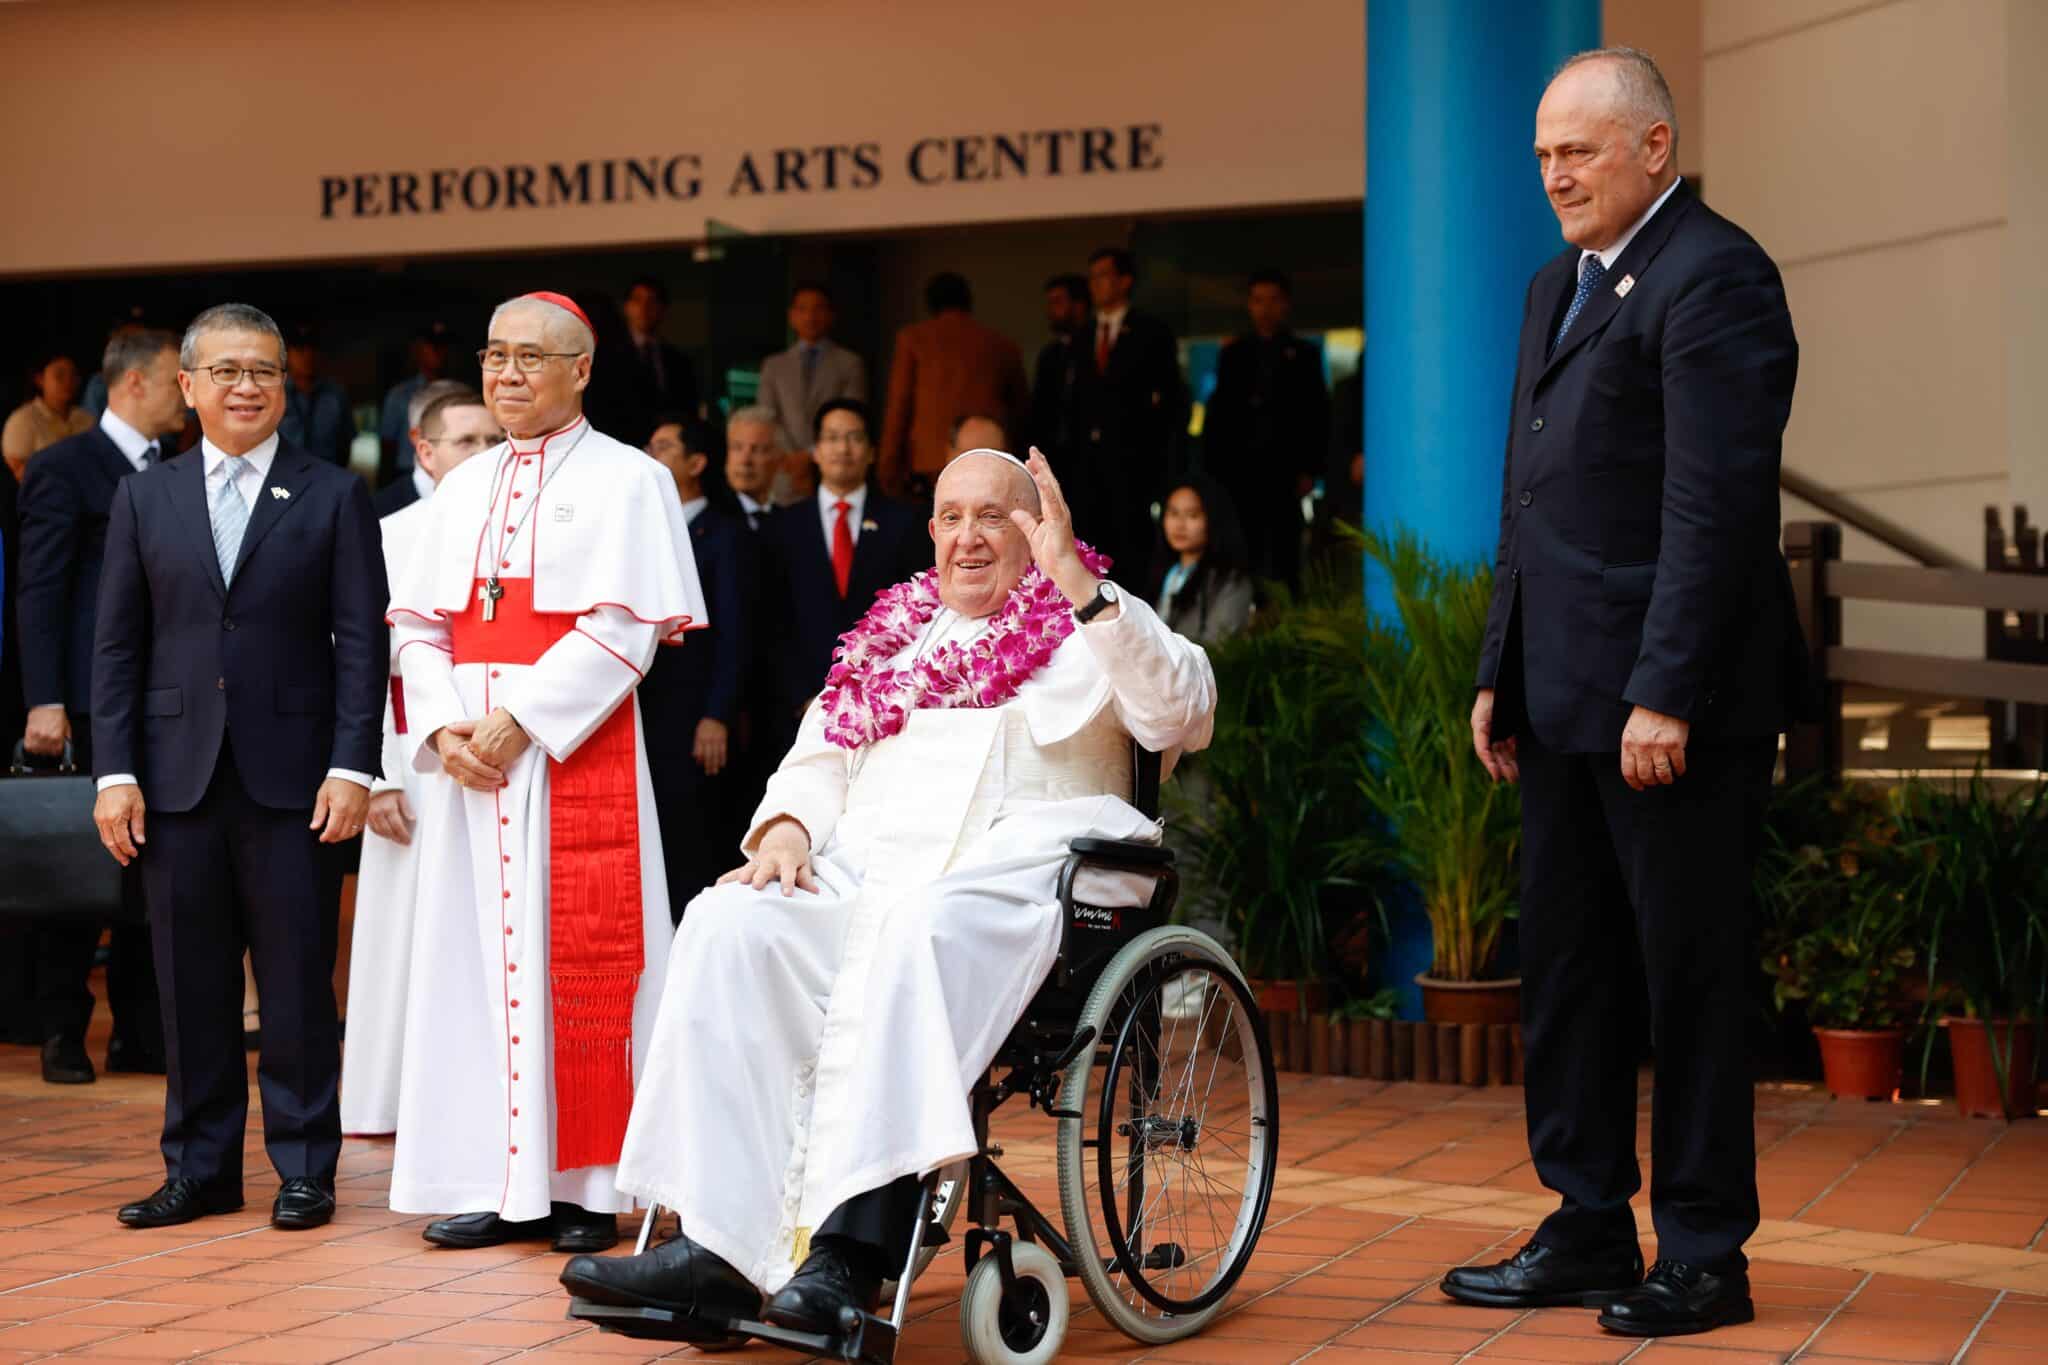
[(682, 177)]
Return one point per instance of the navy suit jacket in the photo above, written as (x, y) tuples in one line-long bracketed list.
[(706, 675), (802, 600), (1638, 562), (395, 496), (65, 497), (289, 657)]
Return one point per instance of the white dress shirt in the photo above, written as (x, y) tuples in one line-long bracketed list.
[(1112, 319), (754, 511), (693, 507), (1609, 255), (856, 504), (253, 471), (422, 483), (130, 442)]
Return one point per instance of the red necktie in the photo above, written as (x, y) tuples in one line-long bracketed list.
[(1102, 347), (842, 547)]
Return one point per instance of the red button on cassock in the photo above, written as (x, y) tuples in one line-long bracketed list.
[(512, 966), (515, 1151), (504, 563), (508, 857), (508, 931), (515, 1038), (508, 895)]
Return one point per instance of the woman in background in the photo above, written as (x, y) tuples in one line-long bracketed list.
[(1199, 583), (48, 416)]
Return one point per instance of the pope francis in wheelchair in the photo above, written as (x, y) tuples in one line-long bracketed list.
[(949, 901)]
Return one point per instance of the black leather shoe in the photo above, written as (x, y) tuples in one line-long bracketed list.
[(470, 1230), (834, 1277), (1678, 1300), (125, 1057), (178, 1201), (65, 1063), (678, 1276), (578, 1229), (302, 1202), (1539, 1276)]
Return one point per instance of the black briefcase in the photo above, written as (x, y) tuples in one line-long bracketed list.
[(52, 864)]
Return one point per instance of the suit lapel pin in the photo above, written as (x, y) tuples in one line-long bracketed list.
[(277, 492), (565, 511), (1628, 282), (869, 526)]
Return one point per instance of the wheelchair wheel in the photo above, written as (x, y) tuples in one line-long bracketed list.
[(1027, 1327), (1169, 1136), (947, 1202)]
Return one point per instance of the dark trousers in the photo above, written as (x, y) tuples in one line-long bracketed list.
[(1670, 868), (226, 876), (878, 1223), (691, 808)]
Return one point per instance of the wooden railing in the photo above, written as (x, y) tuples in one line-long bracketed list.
[(2012, 679)]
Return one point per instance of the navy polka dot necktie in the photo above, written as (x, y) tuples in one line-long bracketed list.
[(1589, 280)]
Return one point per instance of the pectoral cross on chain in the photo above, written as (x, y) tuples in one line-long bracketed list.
[(489, 594)]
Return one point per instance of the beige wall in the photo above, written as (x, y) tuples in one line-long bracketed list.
[(1672, 32), (1867, 147), (255, 102)]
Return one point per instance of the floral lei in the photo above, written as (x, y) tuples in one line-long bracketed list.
[(866, 701)]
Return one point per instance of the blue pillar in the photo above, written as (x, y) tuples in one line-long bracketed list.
[(1455, 224)]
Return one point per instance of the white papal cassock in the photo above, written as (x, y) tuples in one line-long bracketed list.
[(586, 539), (814, 1047), (380, 951)]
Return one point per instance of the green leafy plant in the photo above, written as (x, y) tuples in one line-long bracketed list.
[(1448, 826), (1383, 1004)]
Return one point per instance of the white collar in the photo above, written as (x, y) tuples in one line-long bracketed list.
[(747, 503), (1613, 253), (422, 483), (550, 444), (693, 507), (258, 459), (857, 501), (126, 439), (1113, 316)]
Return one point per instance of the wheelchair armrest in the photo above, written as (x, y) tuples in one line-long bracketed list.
[(1122, 851)]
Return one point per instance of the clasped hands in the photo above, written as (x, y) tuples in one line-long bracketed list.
[(477, 753), (1652, 746)]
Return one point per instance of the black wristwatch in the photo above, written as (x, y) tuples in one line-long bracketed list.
[(1105, 597)]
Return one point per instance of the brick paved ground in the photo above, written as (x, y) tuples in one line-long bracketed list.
[(1896, 1233)]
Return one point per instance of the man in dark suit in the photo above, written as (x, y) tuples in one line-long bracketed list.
[(659, 377), (238, 679), (1132, 409), (1267, 428), (690, 700), (1640, 659), (1055, 378), (64, 505), (417, 481), (825, 560)]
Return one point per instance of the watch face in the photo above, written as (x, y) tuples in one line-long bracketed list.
[(1108, 591)]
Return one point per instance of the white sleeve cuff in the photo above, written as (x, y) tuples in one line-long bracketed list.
[(363, 780), (117, 780)]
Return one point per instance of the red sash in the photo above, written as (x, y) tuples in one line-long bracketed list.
[(594, 930)]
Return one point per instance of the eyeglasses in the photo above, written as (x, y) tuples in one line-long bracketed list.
[(262, 376), (465, 442), (495, 359)]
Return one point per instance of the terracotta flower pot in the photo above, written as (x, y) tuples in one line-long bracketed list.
[(1977, 1090), (1862, 1064), (1471, 1002), (1288, 996)]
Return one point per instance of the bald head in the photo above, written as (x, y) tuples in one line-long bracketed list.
[(1605, 136)]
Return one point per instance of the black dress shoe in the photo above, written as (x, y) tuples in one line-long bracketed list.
[(1678, 1300), (837, 1275), (471, 1230), (178, 1201), (578, 1229), (65, 1063), (132, 1058), (302, 1202), (1540, 1276), (678, 1276)]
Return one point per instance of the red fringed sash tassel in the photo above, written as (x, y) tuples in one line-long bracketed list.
[(594, 931)]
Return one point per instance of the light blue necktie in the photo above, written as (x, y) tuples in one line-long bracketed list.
[(1589, 280), (230, 516)]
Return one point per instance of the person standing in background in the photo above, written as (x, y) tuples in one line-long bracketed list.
[(1268, 426), (65, 501), (797, 381), (658, 377), (238, 676), (398, 418), (418, 483), (51, 413), (316, 412), (1641, 657), (1132, 411), (1199, 583), (1055, 379), (753, 454), (944, 368)]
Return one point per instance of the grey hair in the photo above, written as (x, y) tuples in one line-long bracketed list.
[(563, 323), (416, 410), (759, 416), (1645, 96), (134, 349), (227, 317)]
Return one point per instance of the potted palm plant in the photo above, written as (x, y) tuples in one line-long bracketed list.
[(1975, 864), (1452, 831), (1839, 939)]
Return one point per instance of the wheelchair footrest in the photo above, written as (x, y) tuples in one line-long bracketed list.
[(862, 1337)]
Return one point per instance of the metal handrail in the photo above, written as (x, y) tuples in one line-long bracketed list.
[(1881, 529)]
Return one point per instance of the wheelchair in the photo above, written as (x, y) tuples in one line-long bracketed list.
[(1145, 1048)]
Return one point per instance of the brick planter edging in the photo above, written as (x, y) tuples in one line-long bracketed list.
[(1396, 1050)]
